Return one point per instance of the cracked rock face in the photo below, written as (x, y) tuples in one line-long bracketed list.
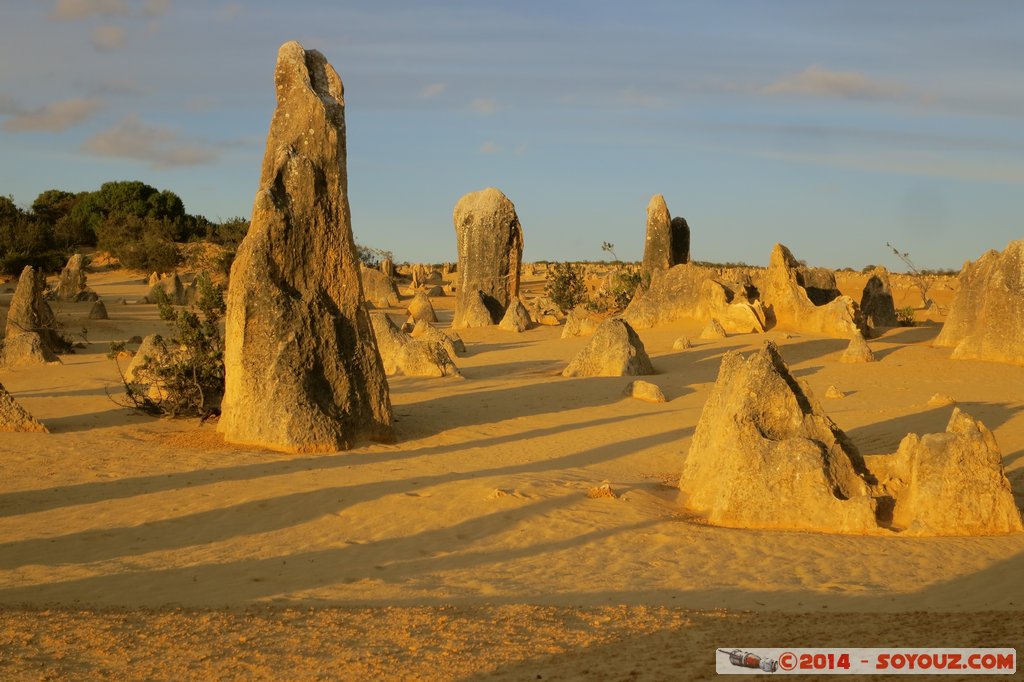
[(791, 307), (490, 244), (765, 455), (302, 370), (986, 319)]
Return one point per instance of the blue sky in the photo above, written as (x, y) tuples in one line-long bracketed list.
[(832, 127)]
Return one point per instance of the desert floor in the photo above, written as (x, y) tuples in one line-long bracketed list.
[(140, 548)]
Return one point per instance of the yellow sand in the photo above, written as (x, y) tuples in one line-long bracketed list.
[(480, 511)]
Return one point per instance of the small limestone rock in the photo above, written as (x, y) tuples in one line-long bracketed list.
[(615, 350), (516, 318), (682, 343), (602, 491), (402, 354), (713, 330), (580, 322), (644, 390), (172, 286), (857, 351), (834, 393), (151, 350), (420, 308), (452, 343), (15, 418), (475, 312), (71, 285), (98, 311), (940, 400)]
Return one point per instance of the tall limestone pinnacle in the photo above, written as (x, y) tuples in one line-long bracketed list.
[(490, 244), (302, 371), (668, 238)]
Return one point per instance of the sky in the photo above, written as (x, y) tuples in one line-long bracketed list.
[(832, 127)]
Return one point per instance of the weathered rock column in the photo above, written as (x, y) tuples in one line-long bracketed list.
[(490, 244), (302, 371), (668, 238)]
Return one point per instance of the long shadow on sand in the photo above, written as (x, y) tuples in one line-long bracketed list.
[(32, 501), (478, 407), (261, 516), (885, 436)]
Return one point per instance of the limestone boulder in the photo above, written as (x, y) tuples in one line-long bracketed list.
[(516, 318), (765, 455), (302, 371), (645, 391), (141, 373), (614, 351), (581, 322), (32, 334), (98, 311), (949, 483), (682, 343), (876, 304), (713, 330), (696, 292), (378, 288), (788, 305), (403, 354), (490, 247), (25, 350), (71, 284), (544, 311), (857, 351), (475, 312), (15, 418), (986, 318), (420, 308), (452, 343), (172, 286)]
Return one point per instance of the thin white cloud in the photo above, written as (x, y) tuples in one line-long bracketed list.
[(160, 147), (108, 37), (53, 118), (815, 81), (432, 90), (71, 10), (484, 106), (489, 147)]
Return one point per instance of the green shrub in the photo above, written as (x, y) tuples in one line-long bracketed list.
[(565, 285), (140, 243), (187, 376), (905, 317)]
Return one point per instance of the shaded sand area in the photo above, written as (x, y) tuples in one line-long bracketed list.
[(141, 548)]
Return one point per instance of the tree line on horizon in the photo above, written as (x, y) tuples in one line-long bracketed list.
[(133, 221)]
